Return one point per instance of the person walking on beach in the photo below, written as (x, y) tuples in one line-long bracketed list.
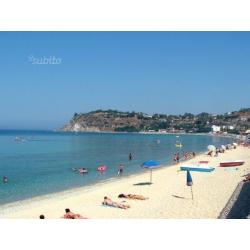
[(120, 171), (130, 157)]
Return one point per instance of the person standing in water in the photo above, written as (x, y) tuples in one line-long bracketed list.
[(177, 157), (120, 171), (5, 179), (130, 156)]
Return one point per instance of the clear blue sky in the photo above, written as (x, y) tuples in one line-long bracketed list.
[(154, 72)]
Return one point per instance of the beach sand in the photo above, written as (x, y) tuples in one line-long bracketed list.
[(169, 197)]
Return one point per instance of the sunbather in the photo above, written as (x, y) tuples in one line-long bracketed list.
[(107, 201), (71, 215), (132, 196)]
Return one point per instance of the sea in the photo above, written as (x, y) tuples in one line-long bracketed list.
[(41, 162)]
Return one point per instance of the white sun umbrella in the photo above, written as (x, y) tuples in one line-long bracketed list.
[(235, 144), (223, 147), (211, 148)]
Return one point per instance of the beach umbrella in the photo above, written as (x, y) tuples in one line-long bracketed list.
[(211, 148), (190, 182), (150, 165), (223, 147)]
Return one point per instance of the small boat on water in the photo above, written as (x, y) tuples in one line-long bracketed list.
[(231, 163), (197, 168)]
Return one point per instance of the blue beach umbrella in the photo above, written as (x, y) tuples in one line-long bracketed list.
[(190, 182), (151, 165), (189, 179)]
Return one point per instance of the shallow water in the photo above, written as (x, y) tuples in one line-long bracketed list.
[(43, 163)]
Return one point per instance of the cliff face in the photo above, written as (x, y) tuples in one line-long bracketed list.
[(104, 121)]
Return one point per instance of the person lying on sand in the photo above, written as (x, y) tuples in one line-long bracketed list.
[(108, 202), (132, 196), (71, 215)]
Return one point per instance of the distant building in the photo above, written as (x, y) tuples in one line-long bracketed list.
[(146, 115), (215, 129), (162, 131), (243, 118)]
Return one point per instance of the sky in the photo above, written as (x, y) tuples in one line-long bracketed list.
[(152, 72)]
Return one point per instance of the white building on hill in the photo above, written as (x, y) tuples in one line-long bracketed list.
[(215, 129)]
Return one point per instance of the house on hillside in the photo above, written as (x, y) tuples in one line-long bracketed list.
[(215, 129)]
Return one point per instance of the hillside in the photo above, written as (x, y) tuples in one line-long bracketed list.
[(113, 120)]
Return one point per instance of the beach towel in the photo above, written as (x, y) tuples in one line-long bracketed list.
[(231, 169)]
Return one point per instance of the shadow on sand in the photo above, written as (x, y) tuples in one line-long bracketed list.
[(143, 183), (241, 207), (179, 197)]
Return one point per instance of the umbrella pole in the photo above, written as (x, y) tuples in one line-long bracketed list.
[(192, 192), (151, 176)]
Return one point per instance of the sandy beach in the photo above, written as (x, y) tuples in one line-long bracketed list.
[(169, 197)]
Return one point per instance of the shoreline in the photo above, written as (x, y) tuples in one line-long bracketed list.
[(169, 197), (90, 187)]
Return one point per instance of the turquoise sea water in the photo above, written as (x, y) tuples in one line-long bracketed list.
[(43, 164)]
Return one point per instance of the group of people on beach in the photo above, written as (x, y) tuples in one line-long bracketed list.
[(186, 156), (221, 149), (106, 202), (122, 205)]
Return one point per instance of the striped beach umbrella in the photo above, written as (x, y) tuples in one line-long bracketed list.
[(151, 165), (190, 182)]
